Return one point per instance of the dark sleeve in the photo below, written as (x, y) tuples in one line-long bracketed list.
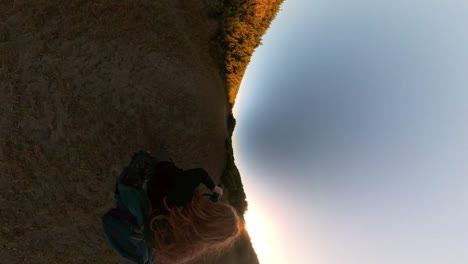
[(185, 183), (199, 175)]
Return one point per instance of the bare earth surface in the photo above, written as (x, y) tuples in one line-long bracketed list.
[(82, 86)]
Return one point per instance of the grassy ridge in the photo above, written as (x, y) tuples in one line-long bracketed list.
[(245, 22)]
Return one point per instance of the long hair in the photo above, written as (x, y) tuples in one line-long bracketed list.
[(199, 229)]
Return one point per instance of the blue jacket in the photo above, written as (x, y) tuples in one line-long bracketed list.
[(124, 225)]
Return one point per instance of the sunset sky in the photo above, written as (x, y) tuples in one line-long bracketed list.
[(352, 134)]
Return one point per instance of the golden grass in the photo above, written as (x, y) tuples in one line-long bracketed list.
[(245, 24)]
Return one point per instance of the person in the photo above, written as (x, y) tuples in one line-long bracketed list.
[(185, 225), (160, 210)]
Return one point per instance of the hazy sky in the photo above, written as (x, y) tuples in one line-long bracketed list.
[(352, 134)]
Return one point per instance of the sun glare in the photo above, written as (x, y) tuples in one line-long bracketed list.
[(263, 237)]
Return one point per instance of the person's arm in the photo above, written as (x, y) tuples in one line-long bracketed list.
[(208, 182), (199, 175), (135, 201), (206, 179), (186, 182)]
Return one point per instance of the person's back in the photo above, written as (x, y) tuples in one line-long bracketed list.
[(124, 225), (172, 219)]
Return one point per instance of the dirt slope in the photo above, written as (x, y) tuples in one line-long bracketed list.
[(83, 85)]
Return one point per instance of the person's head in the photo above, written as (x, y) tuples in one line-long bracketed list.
[(199, 229)]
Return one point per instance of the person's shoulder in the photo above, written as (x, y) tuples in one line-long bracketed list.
[(194, 172)]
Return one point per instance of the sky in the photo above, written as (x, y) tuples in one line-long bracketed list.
[(352, 134)]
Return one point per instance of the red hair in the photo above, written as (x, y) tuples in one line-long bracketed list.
[(200, 229)]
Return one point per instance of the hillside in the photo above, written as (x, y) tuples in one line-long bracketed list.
[(83, 85), (246, 21)]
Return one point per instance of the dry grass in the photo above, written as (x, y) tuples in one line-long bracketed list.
[(245, 22), (82, 85)]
